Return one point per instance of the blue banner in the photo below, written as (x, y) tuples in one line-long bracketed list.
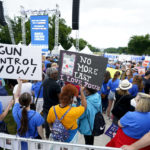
[(39, 31)]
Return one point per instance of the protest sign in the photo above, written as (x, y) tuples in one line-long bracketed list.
[(39, 31), (82, 69), (112, 71), (111, 131), (145, 63), (20, 61), (141, 71)]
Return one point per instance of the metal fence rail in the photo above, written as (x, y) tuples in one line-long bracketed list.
[(13, 142)]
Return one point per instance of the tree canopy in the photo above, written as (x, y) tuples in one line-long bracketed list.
[(137, 45)]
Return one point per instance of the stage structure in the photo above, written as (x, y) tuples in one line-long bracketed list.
[(25, 13), (8, 21)]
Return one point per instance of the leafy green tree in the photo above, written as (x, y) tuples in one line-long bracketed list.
[(139, 44), (64, 34)]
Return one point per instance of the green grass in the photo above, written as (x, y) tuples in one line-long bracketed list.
[(11, 125)]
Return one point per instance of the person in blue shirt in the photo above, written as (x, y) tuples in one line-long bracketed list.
[(4, 114), (134, 125), (36, 87), (113, 84), (105, 91), (47, 61), (134, 71), (137, 86), (29, 122), (129, 75)]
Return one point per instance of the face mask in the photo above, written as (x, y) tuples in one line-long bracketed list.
[(133, 102)]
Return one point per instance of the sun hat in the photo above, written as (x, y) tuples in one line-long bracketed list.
[(125, 85)]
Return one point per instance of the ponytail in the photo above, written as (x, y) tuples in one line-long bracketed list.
[(24, 101), (24, 122)]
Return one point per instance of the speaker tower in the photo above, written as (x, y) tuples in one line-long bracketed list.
[(75, 14)]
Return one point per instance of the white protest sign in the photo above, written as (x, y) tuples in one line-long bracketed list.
[(20, 61)]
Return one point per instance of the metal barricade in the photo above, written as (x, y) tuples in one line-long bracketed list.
[(13, 142)]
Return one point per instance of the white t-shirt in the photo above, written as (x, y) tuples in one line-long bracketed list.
[(26, 87)]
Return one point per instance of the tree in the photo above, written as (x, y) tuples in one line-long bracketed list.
[(139, 44), (64, 34)]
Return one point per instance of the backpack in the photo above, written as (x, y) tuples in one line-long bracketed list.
[(99, 124), (59, 132)]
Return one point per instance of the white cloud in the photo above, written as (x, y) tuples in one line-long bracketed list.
[(103, 23)]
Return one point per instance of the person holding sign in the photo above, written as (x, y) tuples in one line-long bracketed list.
[(29, 122), (66, 114), (3, 115), (86, 121)]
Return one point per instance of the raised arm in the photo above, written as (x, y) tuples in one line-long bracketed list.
[(4, 114), (83, 99), (18, 91)]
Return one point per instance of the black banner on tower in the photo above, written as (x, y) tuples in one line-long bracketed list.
[(82, 69)]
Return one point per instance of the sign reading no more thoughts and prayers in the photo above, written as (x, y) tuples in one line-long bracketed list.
[(82, 69), (20, 61)]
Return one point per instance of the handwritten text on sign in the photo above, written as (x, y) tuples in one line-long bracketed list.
[(20, 61), (82, 69)]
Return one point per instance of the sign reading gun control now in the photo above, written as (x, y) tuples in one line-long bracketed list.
[(82, 69), (20, 61)]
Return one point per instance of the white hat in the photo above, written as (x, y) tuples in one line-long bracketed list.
[(125, 85)]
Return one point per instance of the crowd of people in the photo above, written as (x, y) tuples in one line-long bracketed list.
[(124, 98)]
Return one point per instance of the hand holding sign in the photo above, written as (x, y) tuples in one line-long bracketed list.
[(20, 61), (82, 69)]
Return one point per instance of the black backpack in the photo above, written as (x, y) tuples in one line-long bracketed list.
[(99, 124)]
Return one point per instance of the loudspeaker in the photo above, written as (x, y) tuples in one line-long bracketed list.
[(75, 14), (2, 19)]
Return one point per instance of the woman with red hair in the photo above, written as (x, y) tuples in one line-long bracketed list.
[(73, 113)]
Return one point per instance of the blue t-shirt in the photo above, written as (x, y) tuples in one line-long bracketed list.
[(113, 85), (135, 124), (36, 88), (34, 120), (104, 89), (134, 90), (1, 108), (46, 62), (135, 74), (131, 80)]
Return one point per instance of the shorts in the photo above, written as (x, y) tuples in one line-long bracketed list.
[(111, 96)]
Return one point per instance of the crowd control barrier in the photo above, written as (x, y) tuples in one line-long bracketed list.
[(13, 142)]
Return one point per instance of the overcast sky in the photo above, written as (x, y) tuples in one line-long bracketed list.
[(103, 23)]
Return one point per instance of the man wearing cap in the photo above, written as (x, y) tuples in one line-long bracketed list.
[(146, 81)]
